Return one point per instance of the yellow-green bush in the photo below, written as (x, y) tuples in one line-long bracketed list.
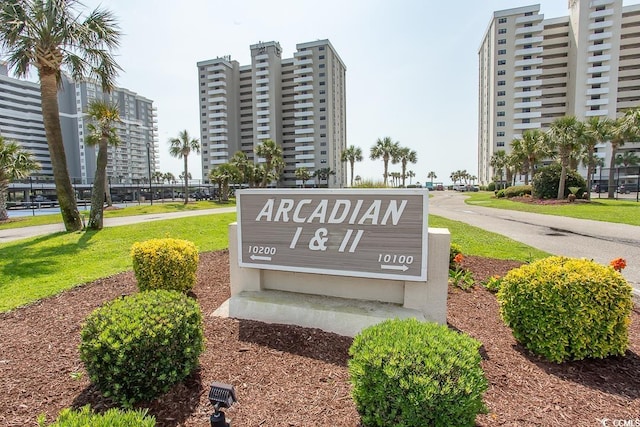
[(114, 417), (168, 264), (567, 308)]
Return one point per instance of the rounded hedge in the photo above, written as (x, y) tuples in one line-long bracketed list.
[(546, 182), (517, 191), (168, 264), (410, 373), (567, 308), (136, 347)]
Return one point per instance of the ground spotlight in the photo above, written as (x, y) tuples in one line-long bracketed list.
[(221, 396)]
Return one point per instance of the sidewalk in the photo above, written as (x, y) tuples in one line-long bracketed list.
[(12, 234)]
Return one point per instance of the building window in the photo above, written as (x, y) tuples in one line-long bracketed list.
[(526, 120), (323, 135), (502, 41), (502, 31), (321, 66), (501, 113), (502, 20), (501, 133), (502, 52), (500, 124), (321, 74), (322, 83), (502, 62), (321, 57), (322, 100), (501, 83), (321, 48), (501, 93), (528, 14), (500, 73), (501, 103), (323, 153), (500, 143)]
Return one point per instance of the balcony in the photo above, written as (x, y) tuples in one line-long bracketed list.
[(304, 79), (304, 131), (262, 89), (600, 36), (601, 101), (600, 13), (310, 156), (306, 70), (262, 113), (262, 120), (262, 104), (530, 104), (305, 165), (302, 114), (529, 19), (262, 81), (261, 73), (218, 99), (217, 91), (599, 47), (598, 25), (529, 51), (528, 83), (528, 40), (599, 58), (217, 107), (303, 105), (598, 80), (519, 126), (530, 115), (302, 62), (262, 57), (599, 91), (219, 138), (309, 122), (303, 88), (596, 113), (303, 96), (218, 123), (263, 128), (529, 30), (263, 136), (218, 131), (262, 96), (596, 3), (528, 73), (599, 69), (218, 146), (528, 62), (529, 94), (302, 140)]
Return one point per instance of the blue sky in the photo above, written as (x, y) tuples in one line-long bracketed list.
[(412, 70)]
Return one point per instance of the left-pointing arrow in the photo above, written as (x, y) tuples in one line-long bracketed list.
[(260, 258)]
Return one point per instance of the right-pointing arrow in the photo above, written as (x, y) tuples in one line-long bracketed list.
[(394, 267)]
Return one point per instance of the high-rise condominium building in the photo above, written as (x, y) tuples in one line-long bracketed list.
[(297, 102), (128, 163), (535, 70)]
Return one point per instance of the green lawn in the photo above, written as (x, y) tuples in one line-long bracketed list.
[(130, 210), (35, 268), (618, 211)]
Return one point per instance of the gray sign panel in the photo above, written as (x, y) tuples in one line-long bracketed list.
[(362, 233)]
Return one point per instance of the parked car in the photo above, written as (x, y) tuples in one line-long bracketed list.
[(200, 195), (600, 188)]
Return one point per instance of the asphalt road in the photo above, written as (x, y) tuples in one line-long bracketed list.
[(597, 240)]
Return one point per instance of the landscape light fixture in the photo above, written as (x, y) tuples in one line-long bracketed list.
[(221, 396)]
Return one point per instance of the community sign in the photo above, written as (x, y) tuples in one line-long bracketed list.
[(377, 233)]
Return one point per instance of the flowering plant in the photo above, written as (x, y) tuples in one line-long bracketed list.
[(618, 264), (458, 276)]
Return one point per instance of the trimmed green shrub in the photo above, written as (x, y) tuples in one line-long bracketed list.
[(490, 187), (135, 348), (409, 373), (168, 264), (567, 308), (517, 191), (547, 180), (500, 193), (112, 418)]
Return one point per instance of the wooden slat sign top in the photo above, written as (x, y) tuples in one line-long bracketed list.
[(362, 233)]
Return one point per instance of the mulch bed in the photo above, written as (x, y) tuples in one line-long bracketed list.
[(293, 376)]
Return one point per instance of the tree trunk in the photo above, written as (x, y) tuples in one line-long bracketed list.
[(107, 192), (4, 187), (186, 181), (96, 215), (352, 168), (51, 119), (563, 180), (612, 166)]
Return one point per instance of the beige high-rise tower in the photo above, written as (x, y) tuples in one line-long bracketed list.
[(534, 70), (299, 102)]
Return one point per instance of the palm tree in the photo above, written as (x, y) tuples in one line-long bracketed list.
[(181, 147), (432, 175), (102, 132), (15, 163), (563, 134), (244, 166), (595, 130), (499, 162), (303, 175), (626, 159), (403, 156), (352, 155), (221, 175), (51, 35), (529, 150), (410, 175), (271, 152), (158, 177), (169, 177), (323, 175), (384, 149)]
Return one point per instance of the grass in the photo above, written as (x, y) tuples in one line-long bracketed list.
[(608, 210), (50, 264), (132, 210), (39, 267)]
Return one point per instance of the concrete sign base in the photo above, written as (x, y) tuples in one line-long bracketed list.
[(339, 304)]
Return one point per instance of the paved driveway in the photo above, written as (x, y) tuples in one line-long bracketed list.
[(597, 240)]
